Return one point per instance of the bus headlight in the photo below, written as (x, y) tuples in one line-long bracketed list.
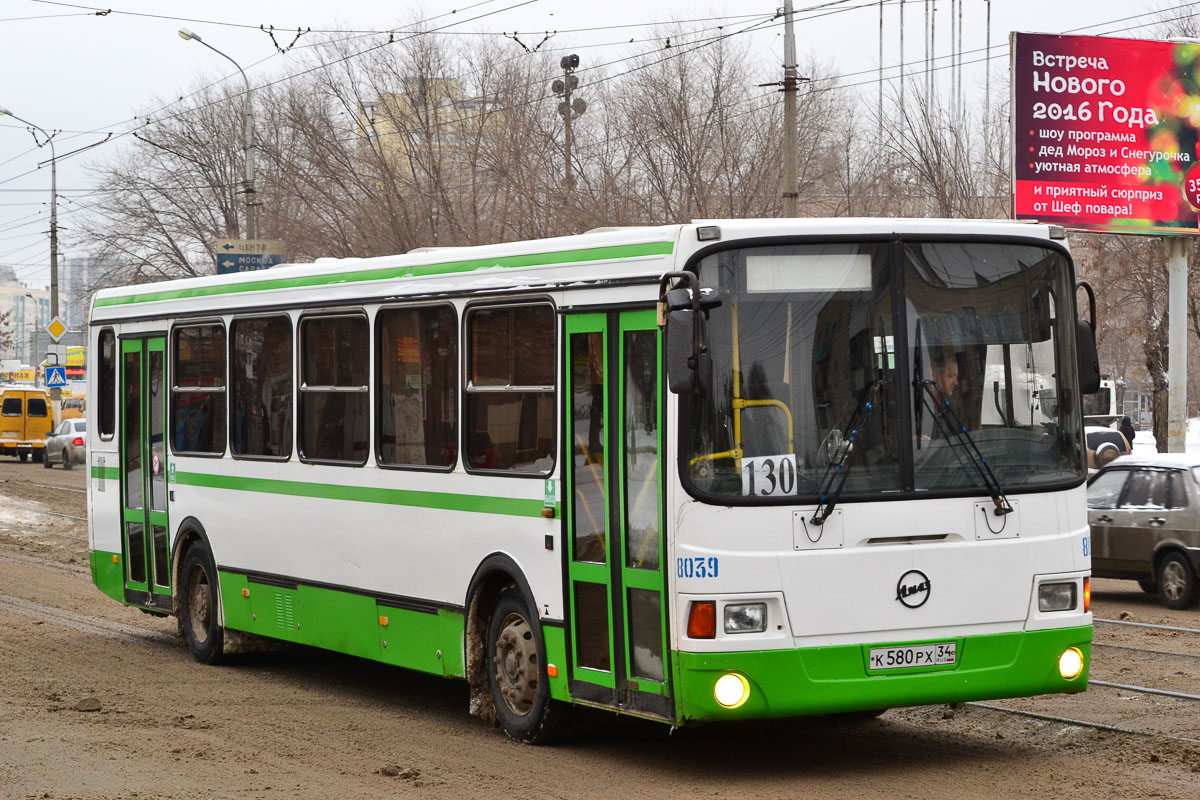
[(1056, 596), (1070, 663), (731, 690), (745, 617)]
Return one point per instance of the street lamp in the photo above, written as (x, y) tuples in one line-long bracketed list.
[(247, 117), (54, 394)]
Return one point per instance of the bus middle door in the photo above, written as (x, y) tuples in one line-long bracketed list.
[(144, 543), (617, 617)]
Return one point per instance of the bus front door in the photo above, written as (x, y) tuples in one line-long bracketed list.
[(614, 512), (144, 545)]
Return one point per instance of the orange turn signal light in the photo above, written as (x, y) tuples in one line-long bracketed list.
[(1087, 595), (552, 670), (702, 620), (245, 592), (383, 622)]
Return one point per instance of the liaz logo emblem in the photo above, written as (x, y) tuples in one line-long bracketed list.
[(913, 588)]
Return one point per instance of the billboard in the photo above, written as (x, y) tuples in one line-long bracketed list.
[(1105, 133)]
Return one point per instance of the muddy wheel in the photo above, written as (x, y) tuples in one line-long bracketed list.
[(67, 460), (198, 606), (516, 663), (46, 463), (22, 457), (1176, 581)]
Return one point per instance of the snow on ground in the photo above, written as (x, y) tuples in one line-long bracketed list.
[(1144, 442)]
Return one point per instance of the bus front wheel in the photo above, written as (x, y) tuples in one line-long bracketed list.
[(198, 606), (516, 664)]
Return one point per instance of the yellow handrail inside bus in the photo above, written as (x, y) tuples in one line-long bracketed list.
[(738, 404)]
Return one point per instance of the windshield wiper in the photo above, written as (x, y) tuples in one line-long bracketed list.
[(835, 474), (964, 445)]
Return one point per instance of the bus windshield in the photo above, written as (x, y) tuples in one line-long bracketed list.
[(865, 358)]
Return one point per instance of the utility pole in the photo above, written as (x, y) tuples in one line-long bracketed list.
[(879, 106), (54, 393), (1177, 271), (932, 48), (790, 205), (901, 63), (962, 98), (569, 109), (987, 56)]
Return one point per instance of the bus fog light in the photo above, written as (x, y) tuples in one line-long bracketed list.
[(1056, 596), (731, 690), (1070, 663), (745, 617)]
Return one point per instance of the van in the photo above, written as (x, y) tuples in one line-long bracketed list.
[(74, 407), (26, 419)]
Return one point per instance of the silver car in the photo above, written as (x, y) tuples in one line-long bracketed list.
[(66, 444), (1144, 513)]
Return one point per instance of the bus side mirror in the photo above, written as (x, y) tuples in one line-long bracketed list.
[(688, 371), (1085, 344), (689, 366), (1089, 362)]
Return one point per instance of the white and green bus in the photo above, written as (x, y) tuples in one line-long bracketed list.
[(723, 470)]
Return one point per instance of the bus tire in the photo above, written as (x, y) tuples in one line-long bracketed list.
[(1176, 581), (22, 457), (198, 605), (516, 665)]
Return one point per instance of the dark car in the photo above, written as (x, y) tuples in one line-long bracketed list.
[(1144, 513)]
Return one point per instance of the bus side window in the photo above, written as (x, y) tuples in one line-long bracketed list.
[(334, 415), (418, 386), (198, 389), (510, 388), (107, 383), (260, 380)]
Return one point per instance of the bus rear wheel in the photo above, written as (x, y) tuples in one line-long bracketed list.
[(516, 664), (198, 606)]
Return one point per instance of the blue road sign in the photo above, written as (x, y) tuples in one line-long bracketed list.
[(246, 262), (56, 377), (248, 255)]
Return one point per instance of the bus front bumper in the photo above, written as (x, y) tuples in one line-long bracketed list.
[(826, 680)]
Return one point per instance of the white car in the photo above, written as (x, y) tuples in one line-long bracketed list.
[(66, 444)]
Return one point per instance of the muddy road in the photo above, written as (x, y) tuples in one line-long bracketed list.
[(101, 701)]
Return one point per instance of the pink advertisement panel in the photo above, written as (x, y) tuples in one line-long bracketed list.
[(1105, 133)]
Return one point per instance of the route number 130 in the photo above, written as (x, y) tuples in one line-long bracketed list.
[(769, 476)]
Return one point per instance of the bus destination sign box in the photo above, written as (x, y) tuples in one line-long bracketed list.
[(1105, 133), (248, 255)]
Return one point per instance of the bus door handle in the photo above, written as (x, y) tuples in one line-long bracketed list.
[(1104, 518), (1158, 521)]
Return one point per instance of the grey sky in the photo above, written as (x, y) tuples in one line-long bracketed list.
[(70, 69)]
